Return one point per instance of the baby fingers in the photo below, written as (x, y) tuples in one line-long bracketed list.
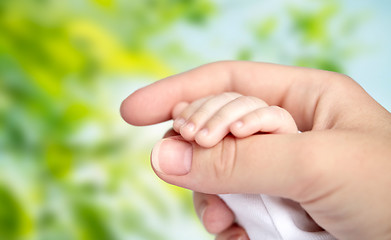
[(271, 119), (215, 128), (195, 115)]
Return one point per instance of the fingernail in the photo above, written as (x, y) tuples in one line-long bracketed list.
[(239, 124), (204, 132), (172, 157), (179, 122), (190, 126)]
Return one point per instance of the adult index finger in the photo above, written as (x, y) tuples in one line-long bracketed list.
[(293, 88)]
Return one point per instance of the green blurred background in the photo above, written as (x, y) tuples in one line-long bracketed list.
[(70, 168)]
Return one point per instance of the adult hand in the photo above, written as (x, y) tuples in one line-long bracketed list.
[(338, 169), (216, 216)]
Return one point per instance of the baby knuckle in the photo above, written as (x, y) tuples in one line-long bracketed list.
[(259, 114), (251, 101), (279, 112), (220, 116)]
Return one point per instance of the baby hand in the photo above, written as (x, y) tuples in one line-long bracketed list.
[(208, 120)]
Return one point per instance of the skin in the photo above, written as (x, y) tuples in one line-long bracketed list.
[(208, 120), (338, 168)]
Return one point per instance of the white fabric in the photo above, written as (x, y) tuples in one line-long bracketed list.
[(272, 218)]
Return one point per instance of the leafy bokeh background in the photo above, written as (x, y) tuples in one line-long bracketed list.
[(70, 168)]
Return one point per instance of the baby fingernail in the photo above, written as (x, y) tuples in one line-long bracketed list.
[(179, 122), (190, 127), (172, 157), (239, 124), (204, 132)]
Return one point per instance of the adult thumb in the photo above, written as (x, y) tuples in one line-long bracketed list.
[(265, 163)]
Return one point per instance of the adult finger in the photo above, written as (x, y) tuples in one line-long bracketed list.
[(215, 215), (327, 183), (276, 84), (256, 164), (178, 109), (234, 232), (234, 165)]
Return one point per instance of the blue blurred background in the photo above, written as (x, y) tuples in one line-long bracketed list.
[(70, 168)]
